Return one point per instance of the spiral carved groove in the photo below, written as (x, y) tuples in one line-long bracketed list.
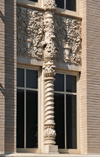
[(49, 101)]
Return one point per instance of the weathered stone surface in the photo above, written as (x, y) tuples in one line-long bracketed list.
[(29, 32), (68, 39), (30, 36)]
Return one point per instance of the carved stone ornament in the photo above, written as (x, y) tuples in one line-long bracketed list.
[(49, 5), (33, 26), (49, 69), (68, 40), (49, 135), (49, 55), (29, 33), (42, 35)]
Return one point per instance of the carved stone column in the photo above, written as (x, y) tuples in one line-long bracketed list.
[(49, 73)]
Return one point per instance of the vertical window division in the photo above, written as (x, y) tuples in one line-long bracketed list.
[(66, 4), (27, 108), (65, 98)]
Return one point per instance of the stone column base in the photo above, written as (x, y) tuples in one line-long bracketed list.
[(51, 149)]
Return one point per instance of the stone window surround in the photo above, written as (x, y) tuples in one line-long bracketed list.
[(39, 5)]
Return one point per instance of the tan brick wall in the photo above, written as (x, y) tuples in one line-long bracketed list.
[(2, 77), (93, 76), (89, 81), (8, 75)]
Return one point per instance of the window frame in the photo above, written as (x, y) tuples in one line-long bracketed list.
[(71, 151), (69, 12), (30, 150)]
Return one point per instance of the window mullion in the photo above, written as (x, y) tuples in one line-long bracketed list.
[(65, 4)]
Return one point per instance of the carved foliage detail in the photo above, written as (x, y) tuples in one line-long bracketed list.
[(49, 132), (49, 5), (29, 32), (49, 45), (68, 39), (39, 32)]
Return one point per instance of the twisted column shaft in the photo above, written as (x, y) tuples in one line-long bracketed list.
[(49, 134), (49, 71)]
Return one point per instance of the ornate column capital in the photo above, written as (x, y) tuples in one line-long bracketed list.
[(49, 5)]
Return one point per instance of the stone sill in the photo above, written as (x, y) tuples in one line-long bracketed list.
[(49, 155)]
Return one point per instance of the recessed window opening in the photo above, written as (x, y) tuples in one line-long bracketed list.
[(27, 108), (65, 94), (66, 4)]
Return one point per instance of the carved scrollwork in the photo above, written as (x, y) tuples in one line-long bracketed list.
[(49, 132), (49, 136), (49, 5), (68, 40), (31, 27), (49, 69), (29, 32)]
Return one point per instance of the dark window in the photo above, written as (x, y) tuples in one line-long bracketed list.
[(20, 118), (60, 3), (59, 120), (30, 76), (31, 119), (70, 83), (20, 77), (66, 4), (59, 83), (65, 104), (71, 5), (27, 108), (71, 121)]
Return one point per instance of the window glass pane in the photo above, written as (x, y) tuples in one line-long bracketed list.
[(71, 5), (70, 83), (31, 79), (20, 77), (31, 119), (71, 121), (59, 82), (59, 119), (60, 3), (20, 119)]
